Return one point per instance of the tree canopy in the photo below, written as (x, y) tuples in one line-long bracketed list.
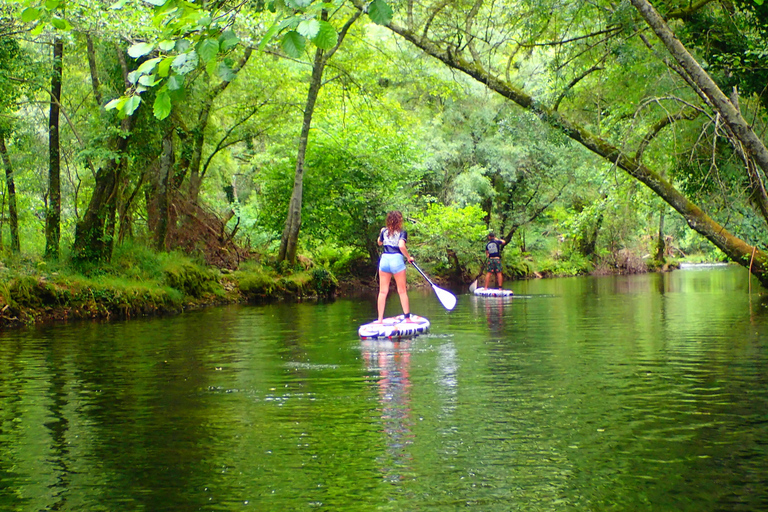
[(574, 129)]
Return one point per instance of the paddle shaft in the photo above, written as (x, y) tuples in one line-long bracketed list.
[(422, 273)]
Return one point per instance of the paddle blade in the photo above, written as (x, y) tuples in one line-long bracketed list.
[(447, 299), (473, 286)]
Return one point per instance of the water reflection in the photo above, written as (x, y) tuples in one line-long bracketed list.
[(640, 393), (388, 363)]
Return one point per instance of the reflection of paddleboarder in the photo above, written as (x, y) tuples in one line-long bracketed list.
[(392, 263), (392, 362)]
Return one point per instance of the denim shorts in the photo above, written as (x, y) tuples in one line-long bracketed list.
[(392, 263)]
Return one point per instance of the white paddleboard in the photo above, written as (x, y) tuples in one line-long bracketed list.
[(394, 327), (493, 292)]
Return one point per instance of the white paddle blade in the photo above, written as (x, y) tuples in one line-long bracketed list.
[(473, 286), (447, 299)]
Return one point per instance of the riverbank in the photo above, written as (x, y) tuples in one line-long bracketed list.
[(138, 282)]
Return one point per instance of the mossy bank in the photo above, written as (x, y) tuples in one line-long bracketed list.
[(141, 283)]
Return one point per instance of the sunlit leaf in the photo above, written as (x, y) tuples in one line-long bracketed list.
[(165, 66), (134, 76), (148, 80), (380, 12), (326, 37), (298, 4), (140, 49), (52, 5), (148, 66), (116, 103), (293, 44), (61, 24), (167, 45), (156, 2), (30, 14), (309, 28), (118, 5), (131, 105)]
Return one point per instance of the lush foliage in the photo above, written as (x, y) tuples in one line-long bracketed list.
[(181, 131)]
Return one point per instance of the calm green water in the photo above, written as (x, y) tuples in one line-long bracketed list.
[(614, 393)]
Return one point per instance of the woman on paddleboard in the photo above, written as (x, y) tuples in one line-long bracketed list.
[(392, 263)]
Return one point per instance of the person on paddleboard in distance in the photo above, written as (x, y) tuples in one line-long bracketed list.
[(392, 263), (493, 253)]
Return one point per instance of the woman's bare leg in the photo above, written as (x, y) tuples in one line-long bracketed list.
[(402, 291), (384, 280)]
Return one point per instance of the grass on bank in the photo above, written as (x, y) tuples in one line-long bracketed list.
[(138, 281)]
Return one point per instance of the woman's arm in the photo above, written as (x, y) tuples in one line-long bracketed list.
[(404, 250)]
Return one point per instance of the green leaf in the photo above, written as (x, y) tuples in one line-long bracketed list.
[(208, 49), (211, 67), (326, 37), (167, 45), (182, 45), (175, 83), (37, 30), (225, 72), (131, 105), (60, 24), (293, 44), (185, 62), (228, 40), (162, 106), (164, 68), (380, 12), (156, 2), (134, 76), (148, 66), (269, 34), (140, 49), (116, 103), (309, 28), (52, 5), (30, 14), (148, 80), (298, 4), (118, 5)]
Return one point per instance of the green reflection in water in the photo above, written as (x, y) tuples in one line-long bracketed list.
[(614, 393)]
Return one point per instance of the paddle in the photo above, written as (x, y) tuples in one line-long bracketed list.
[(473, 286), (447, 299)]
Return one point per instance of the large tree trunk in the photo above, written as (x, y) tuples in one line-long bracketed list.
[(289, 241), (697, 219), (163, 193), (53, 212), (94, 233), (13, 216), (290, 238), (93, 240), (727, 110)]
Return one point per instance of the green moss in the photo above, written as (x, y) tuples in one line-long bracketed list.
[(190, 278)]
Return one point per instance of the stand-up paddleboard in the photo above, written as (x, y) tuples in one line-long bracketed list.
[(394, 327), (493, 292)]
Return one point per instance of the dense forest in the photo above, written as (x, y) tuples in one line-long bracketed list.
[(593, 136)]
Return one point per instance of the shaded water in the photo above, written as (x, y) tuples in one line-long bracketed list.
[(614, 393)]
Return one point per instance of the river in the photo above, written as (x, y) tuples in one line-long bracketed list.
[(617, 393)]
